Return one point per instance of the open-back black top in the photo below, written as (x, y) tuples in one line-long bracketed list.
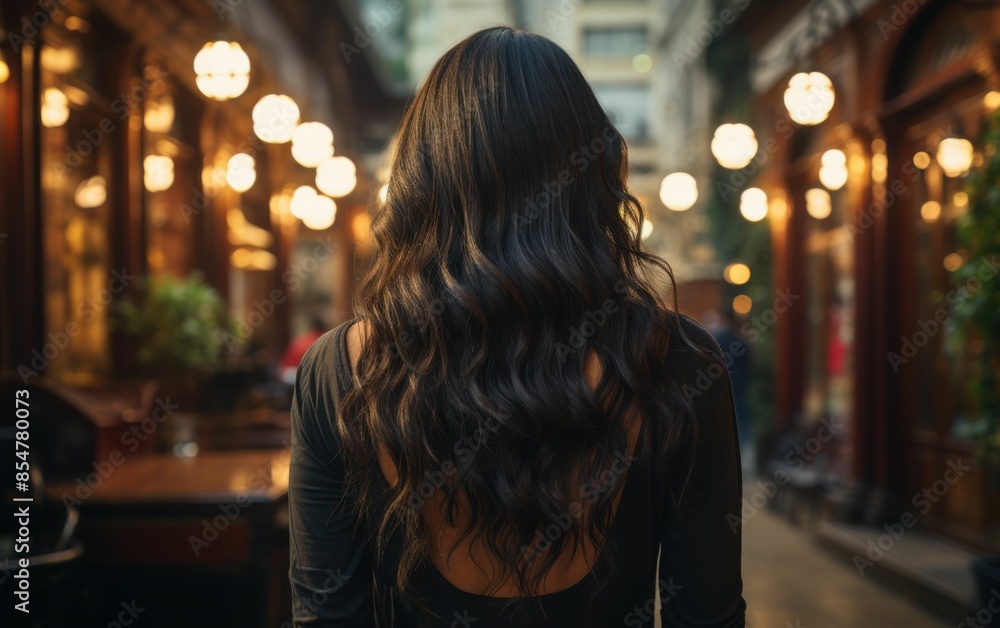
[(337, 580)]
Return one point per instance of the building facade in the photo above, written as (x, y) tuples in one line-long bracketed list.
[(114, 167), (865, 204)]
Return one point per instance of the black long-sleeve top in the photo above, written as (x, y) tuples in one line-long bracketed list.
[(692, 515)]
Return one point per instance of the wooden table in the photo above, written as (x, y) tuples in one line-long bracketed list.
[(201, 539)]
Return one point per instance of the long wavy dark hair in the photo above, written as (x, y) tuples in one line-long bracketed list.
[(507, 251)]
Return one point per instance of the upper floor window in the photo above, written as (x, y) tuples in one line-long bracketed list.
[(614, 42)]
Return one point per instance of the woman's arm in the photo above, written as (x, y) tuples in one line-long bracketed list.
[(700, 562), (331, 565)]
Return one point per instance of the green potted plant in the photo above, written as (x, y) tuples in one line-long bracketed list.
[(179, 326), (979, 234)]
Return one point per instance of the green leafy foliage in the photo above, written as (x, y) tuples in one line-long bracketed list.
[(179, 325), (979, 235)]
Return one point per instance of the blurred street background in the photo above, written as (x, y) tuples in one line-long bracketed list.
[(186, 190)]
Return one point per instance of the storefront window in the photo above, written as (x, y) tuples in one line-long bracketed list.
[(948, 361), (77, 184), (170, 170), (830, 303)]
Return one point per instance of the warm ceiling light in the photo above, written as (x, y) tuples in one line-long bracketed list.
[(737, 273), (91, 193), (992, 100), (312, 142), (880, 167), (818, 203), (336, 176), (954, 155), (241, 172), (222, 69), (753, 204), (361, 227), (55, 108), (833, 169), (302, 201), (809, 98), (159, 115), (60, 60), (322, 213), (647, 228), (930, 211), (642, 63), (742, 304), (679, 191), (952, 262), (734, 145), (275, 117), (158, 172)]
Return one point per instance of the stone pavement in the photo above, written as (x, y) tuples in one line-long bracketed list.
[(790, 582)]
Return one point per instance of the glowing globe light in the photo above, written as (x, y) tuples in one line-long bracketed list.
[(753, 204), (157, 172), (312, 142), (302, 200), (159, 116), (880, 167), (921, 159), (734, 145), (222, 69), (930, 211), (241, 172), (336, 176), (4, 70), (91, 193), (322, 213), (954, 155), (55, 108), (737, 273), (679, 191), (991, 101), (642, 63), (361, 228), (809, 98), (275, 118), (818, 203), (742, 304), (833, 169)]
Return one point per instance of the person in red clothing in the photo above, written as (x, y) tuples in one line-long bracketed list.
[(298, 347)]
